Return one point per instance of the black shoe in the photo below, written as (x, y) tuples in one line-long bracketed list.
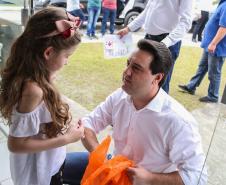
[(199, 39), (207, 100), (186, 89)]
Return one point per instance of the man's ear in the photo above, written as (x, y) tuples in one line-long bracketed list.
[(48, 53), (159, 77)]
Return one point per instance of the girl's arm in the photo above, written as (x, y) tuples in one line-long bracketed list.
[(32, 145), (32, 96)]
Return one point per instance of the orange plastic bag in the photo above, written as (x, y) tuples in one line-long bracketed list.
[(101, 171)]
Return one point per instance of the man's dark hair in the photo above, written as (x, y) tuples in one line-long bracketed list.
[(162, 61)]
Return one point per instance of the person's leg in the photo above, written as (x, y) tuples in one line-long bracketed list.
[(214, 75), (81, 15), (200, 73), (74, 13), (203, 21), (56, 180), (175, 50), (90, 21), (104, 20), (78, 13), (112, 21), (75, 165), (95, 18), (196, 30)]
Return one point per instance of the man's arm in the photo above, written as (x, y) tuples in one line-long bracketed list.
[(218, 37), (90, 141), (137, 23), (97, 120), (141, 176), (185, 14)]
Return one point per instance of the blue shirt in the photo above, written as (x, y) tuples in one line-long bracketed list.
[(94, 3), (218, 19)]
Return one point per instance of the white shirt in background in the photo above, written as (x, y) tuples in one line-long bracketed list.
[(165, 16), (162, 137), (73, 5)]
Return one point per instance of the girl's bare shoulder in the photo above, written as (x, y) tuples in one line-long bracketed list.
[(32, 96)]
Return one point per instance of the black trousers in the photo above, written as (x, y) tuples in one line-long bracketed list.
[(57, 179), (198, 29)]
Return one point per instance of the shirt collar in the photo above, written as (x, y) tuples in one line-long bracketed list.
[(155, 104)]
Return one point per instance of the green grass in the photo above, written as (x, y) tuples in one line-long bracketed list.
[(89, 78)]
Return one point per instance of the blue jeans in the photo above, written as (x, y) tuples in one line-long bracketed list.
[(78, 13), (213, 65), (93, 14), (74, 168), (111, 14), (174, 50)]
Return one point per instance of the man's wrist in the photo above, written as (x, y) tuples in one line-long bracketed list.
[(128, 29)]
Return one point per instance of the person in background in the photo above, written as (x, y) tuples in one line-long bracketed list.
[(205, 7), (109, 8), (40, 124), (93, 8), (165, 21), (74, 7), (214, 53)]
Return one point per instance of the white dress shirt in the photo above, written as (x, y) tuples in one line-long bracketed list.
[(165, 16), (162, 137)]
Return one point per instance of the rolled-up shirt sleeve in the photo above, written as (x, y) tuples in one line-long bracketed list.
[(183, 26), (139, 21), (100, 117), (186, 152)]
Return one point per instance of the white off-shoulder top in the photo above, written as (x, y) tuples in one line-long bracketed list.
[(33, 168)]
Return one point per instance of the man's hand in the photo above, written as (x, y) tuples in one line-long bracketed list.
[(123, 32), (211, 47), (139, 175)]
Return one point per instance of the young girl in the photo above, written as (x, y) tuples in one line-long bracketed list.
[(40, 123)]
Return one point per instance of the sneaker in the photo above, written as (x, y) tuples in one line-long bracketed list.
[(186, 89), (207, 100), (95, 37)]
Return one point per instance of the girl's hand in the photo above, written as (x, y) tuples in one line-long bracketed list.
[(74, 133)]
